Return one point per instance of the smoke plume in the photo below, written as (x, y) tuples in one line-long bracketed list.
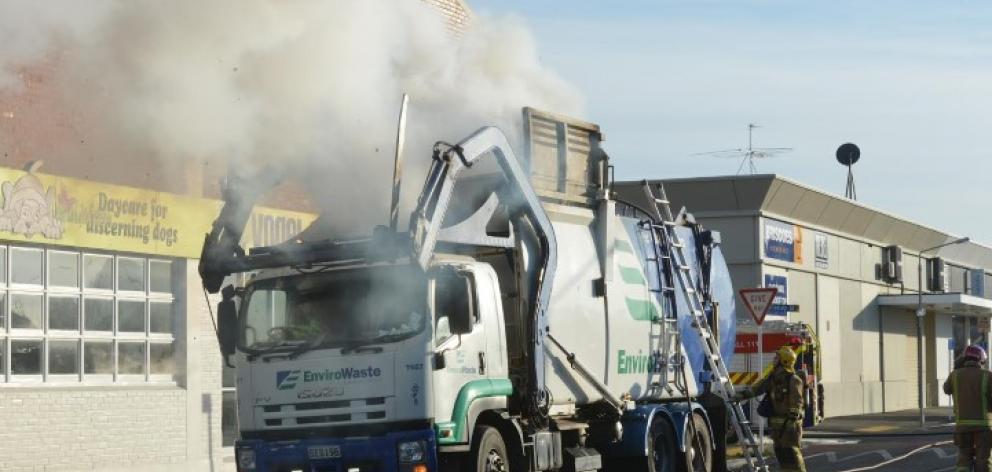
[(311, 87)]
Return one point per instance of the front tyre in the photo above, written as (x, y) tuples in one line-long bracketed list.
[(698, 447), (489, 451)]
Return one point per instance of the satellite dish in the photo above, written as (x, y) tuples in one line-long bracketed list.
[(848, 154)]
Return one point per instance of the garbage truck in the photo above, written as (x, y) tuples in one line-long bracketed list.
[(527, 320)]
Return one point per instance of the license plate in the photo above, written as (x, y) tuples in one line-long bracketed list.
[(324, 452)]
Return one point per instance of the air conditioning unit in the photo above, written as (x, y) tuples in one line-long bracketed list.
[(892, 264), (936, 275)]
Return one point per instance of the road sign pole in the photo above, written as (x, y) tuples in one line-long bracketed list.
[(758, 301), (761, 357)]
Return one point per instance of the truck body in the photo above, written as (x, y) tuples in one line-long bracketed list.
[(527, 321)]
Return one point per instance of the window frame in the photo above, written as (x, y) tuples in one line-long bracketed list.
[(81, 337)]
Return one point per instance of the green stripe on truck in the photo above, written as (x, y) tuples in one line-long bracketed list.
[(469, 392), (632, 276), (623, 246), (642, 310)]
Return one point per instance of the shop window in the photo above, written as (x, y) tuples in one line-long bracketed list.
[(130, 274), (25, 356), (160, 318), (63, 313), (130, 316), (81, 317), (63, 269), (98, 357), (26, 266), (63, 357), (98, 314), (160, 276), (25, 311), (3, 265), (161, 358), (130, 358), (98, 272)]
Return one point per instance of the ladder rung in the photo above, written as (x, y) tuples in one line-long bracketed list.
[(660, 201)]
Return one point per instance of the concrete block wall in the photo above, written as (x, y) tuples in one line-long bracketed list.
[(66, 429)]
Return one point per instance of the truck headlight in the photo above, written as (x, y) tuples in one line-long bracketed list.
[(246, 459), (411, 451)]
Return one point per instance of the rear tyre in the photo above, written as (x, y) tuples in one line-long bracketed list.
[(662, 456), (698, 447), (489, 451)]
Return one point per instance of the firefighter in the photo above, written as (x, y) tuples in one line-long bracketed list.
[(971, 385), (785, 388)]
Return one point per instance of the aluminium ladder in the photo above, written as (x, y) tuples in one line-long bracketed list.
[(720, 383)]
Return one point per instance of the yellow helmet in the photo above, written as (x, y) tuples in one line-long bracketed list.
[(787, 357)]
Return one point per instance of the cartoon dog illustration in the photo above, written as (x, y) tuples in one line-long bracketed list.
[(28, 208)]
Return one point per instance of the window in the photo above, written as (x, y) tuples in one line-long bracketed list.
[(78, 317), (25, 310), (63, 269), (98, 271), (63, 313), (99, 314), (26, 265), (130, 274)]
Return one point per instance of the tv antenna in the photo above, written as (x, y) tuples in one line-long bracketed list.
[(848, 154), (747, 155)]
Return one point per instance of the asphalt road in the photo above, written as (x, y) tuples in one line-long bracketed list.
[(930, 453)]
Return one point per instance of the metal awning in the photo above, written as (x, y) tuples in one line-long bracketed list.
[(941, 303)]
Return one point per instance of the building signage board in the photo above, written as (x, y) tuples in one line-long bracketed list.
[(783, 241), (780, 307), (45, 209), (822, 251)]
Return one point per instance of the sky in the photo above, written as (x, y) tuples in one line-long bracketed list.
[(910, 82)]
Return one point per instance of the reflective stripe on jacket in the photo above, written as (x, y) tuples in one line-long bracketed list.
[(969, 386)]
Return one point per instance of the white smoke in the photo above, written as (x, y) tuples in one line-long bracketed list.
[(310, 86)]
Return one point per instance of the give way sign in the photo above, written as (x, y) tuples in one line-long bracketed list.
[(758, 301)]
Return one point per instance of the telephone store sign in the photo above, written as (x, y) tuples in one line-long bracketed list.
[(783, 241)]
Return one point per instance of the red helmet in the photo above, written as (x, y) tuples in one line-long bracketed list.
[(976, 352)]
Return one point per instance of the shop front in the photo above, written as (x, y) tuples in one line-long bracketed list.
[(103, 327)]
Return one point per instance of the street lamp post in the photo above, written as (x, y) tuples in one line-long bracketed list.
[(920, 313)]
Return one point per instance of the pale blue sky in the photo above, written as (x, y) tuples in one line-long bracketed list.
[(909, 81)]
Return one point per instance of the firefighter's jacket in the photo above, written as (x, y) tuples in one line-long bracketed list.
[(786, 391), (971, 387)]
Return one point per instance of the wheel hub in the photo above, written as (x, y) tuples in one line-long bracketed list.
[(495, 462)]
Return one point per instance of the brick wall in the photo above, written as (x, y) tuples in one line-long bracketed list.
[(456, 13)]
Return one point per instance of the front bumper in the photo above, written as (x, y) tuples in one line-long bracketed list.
[(358, 454)]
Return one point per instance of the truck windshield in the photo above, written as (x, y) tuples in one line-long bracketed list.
[(334, 309)]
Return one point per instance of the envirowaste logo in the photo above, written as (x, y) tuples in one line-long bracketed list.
[(286, 379)]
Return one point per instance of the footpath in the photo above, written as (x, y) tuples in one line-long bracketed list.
[(938, 420)]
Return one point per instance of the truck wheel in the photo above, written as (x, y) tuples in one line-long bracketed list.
[(661, 447), (698, 447), (489, 451)]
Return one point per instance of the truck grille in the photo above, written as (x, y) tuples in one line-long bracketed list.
[(325, 412)]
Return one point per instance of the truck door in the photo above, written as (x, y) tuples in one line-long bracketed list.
[(459, 359)]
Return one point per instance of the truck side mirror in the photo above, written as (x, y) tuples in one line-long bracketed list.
[(227, 324), (454, 297)]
